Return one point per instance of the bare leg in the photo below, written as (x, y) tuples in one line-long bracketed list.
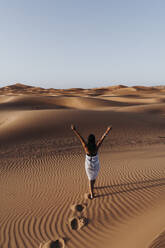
[(91, 186)]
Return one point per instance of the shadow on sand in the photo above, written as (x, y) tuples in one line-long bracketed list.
[(129, 187)]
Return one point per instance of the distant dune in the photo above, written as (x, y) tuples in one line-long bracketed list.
[(43, 185), (118, 89), (114, 98)]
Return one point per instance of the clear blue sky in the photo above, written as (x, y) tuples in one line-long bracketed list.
[(82, 43)]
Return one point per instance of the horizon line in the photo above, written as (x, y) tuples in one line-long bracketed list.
[(111, 85)]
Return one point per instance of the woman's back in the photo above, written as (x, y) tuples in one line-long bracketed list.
[(91, 150)]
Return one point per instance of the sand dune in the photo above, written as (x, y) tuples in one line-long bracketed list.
[(36, 102), (117, 89), (43, 185), (152, 108)]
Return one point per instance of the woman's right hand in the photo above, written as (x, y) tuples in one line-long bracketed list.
[(73, 127)]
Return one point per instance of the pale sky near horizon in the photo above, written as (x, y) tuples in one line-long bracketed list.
[(75, 43)]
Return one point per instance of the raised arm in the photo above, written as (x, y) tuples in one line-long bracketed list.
[(79, 136), (100, 141)]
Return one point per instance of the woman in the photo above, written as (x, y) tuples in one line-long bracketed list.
[(91, 148)]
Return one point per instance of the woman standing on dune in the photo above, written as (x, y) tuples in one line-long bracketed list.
[(91, 148)]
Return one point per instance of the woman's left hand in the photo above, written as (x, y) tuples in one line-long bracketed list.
[(109, 128)]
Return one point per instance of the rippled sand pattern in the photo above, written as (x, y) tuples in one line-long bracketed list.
[(42, 177), (36, 196)]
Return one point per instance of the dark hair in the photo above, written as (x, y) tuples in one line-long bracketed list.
[(91, 143), (91, 139)]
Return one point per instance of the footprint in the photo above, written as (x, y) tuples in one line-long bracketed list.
[(78, 207), (59, 243), (77, 223)]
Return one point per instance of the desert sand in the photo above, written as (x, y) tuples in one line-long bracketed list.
[(43, 185)]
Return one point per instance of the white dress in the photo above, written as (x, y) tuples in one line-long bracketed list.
[(92, 166)]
